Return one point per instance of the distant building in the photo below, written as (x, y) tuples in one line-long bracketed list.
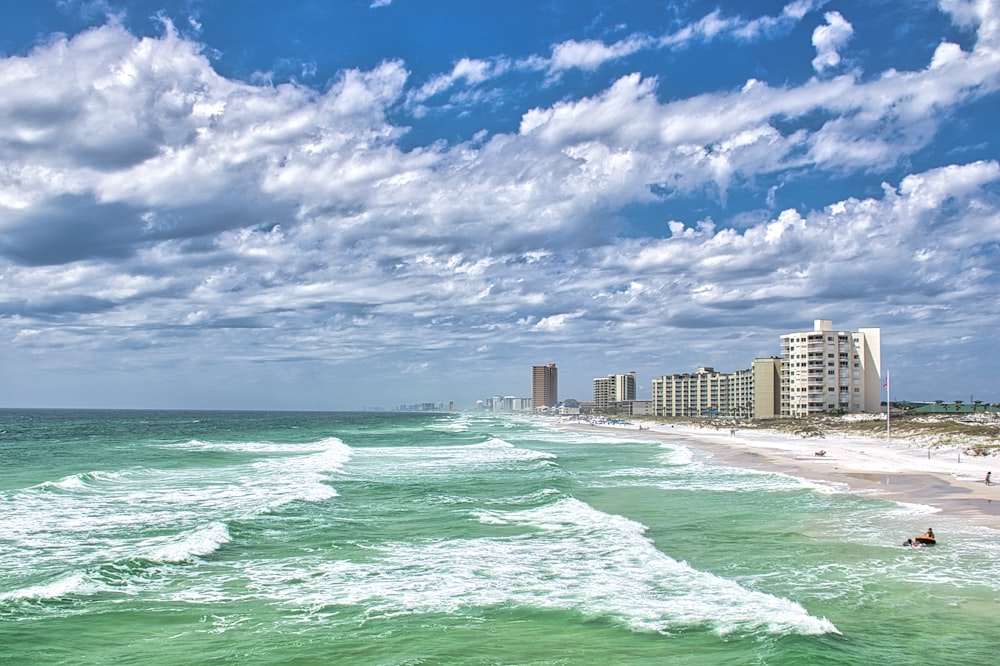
[(569, 407), (428, 407), (632, 407), (751, 393), (824, 370), (614, 388), (704, 392), (544, 386), (511, 403), (819, 371), (504, 404), (957, 407)]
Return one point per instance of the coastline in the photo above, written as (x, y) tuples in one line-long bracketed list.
[(898, 469)]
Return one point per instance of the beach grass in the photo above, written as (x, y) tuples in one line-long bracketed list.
[(976, 435)]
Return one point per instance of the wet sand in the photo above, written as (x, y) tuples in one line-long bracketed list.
[(897, 469)]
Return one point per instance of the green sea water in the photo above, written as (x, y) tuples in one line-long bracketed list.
[(141, 537)]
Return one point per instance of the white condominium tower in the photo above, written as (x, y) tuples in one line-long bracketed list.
[(614, 388), (824, 370)]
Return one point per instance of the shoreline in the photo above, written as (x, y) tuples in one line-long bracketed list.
[(897, 470)]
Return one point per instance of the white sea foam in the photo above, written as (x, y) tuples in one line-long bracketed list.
[(455, 425), (262, 448), (63, 586), (113, 569), (698, 476), (100, 517), (493, 442), (911, 508), (81, 481), (197, 543), (577, 559), (675, 454), (490, 517), (328, 455), (491, 454), (73, 482), (597, 436)]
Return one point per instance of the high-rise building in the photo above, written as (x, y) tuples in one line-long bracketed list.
[(544, 386), (766, 388), (614, 388), (824, 370)]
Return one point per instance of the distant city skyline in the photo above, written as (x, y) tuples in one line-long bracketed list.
[(306, 205)]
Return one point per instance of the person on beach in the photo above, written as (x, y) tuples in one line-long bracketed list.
[(988, 478)]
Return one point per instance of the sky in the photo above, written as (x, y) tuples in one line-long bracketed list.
[(358, 204)]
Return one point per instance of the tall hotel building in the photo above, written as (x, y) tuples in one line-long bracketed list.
[(544, 386), (824, 369), (614, 388)]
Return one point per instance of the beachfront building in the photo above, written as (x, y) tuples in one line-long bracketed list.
[(826, 370), (765, 388), (544, 386), (751, 393), (614, 388), (704, 392), (569, 407), (631, 407)]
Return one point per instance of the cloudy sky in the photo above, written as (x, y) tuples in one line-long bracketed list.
[(350, 204)]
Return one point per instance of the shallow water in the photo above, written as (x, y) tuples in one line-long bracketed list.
[(247, 537)]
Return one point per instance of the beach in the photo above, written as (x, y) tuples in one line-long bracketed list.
[(897, 468)]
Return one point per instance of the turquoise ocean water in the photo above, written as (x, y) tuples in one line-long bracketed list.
[(142, 537)]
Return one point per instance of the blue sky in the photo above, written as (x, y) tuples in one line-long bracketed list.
[(348, 204)]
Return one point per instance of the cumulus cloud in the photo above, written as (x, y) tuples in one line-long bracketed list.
[(829, 39), (148, 202)]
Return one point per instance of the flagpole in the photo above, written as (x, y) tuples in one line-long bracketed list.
[(888, 405)]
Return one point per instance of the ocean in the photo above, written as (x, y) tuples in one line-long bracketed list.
[(169, 537)]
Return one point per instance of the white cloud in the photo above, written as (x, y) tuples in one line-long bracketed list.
[(146, 201), (557, 322), (591, 54), (965, 12), (829, 39), (469, 71)]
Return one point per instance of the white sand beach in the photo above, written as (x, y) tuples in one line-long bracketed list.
[(897, 468)]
